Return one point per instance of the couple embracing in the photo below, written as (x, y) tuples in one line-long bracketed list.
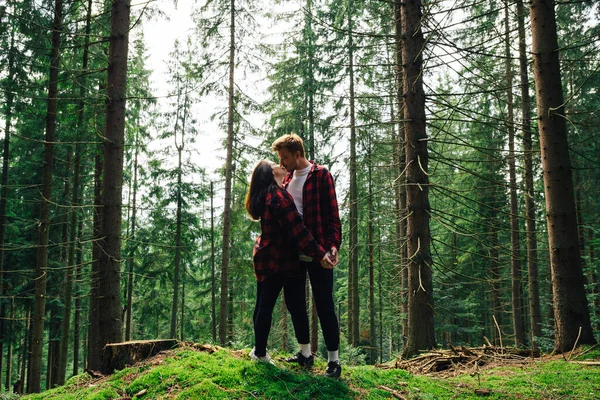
[(296, 204)]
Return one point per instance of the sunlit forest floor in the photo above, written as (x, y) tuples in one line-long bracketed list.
[(206, 372)]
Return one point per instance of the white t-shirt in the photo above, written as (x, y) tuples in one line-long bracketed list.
[(296, 186), (296, 189)]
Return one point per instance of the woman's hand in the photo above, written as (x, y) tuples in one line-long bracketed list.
[(326, 262)]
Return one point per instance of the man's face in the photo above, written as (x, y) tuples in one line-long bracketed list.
[(288, 160), (279, 174)]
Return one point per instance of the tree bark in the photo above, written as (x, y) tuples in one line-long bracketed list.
[(515, 244), (495, 302), (421, 334), (131, 258), (9, 350), (182, 323), (230, 314), (371, 244), (571, 315), (530, 223), (8, 114), (400, 187), (353, 295), (35, 373), (228, 174), (24, 373), (179, 147), (594, 276), (57, 311), (109, 311), (116, 356), (66, 323), (380, 296), (213, 300), (77, 316), (310, 85), (94, 346)]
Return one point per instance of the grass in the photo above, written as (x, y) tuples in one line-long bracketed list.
[(191, 374)]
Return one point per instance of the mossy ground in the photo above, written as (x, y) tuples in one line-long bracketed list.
[(186, 373)]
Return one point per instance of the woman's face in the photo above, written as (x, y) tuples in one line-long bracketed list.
[(278, 173)]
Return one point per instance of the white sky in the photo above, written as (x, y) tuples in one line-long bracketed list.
[(159, 36)]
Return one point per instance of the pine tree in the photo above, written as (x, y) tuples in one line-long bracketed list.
[(572, 320), (420, 285), (109, 308), (35, 372)]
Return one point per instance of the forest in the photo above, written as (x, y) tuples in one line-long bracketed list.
[(463, 137)]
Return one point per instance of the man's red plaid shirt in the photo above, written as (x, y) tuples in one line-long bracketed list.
[(283, 235), (321, 215)]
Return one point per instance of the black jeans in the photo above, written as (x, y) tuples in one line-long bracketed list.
[(321, 281), (267, 292)]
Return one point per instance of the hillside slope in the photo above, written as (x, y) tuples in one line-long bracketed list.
[(190, 373)]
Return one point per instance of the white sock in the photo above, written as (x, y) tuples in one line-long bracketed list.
[(305, 349), (333, 356)]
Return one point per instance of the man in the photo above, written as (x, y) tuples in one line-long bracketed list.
[(313, 190)]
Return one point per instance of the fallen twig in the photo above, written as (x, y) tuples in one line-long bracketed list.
[(393, 392)]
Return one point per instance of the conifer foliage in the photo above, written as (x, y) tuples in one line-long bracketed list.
[(463, 141)]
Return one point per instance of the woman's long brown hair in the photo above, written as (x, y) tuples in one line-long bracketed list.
[(261, 183)]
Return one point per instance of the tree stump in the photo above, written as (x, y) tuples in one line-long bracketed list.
[(116, 356)]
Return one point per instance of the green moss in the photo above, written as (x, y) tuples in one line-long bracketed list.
[(190, 374), (103, 394)]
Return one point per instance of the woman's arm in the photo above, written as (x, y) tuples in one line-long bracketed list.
[(290, 220)]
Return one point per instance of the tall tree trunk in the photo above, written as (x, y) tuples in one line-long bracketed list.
[(131, 256), (24, 373), (8, 114), (310, 85), (109, 311), (228, 174), (353, 295), (66, 323), (371, 244), (9, 350), (310, 93), (213, 300), (515, 245), (177, 233), (495, 302), (35, 372), (530, 223), (57, 312), (94, 347), (53, 348), (77, 316), (594, 276), (421, 334), (571, 315), (380, 295), (230, 315), (181, 325), (400, 186)]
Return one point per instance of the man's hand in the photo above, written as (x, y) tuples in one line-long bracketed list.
[(334, 255), (326, 262)]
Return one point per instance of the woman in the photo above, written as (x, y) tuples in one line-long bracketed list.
[(276, 251)]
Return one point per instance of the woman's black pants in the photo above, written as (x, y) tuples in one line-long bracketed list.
[(267, 292)]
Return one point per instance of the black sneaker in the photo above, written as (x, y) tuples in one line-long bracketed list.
[(304, 362), (334, 369)]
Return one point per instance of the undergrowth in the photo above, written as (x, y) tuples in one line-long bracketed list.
[(191, 374)]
